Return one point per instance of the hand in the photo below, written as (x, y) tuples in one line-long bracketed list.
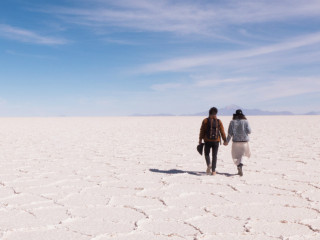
[(225, 143)]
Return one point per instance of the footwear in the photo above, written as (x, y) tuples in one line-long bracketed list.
[(214, 173), (240, 172), (209, 170)]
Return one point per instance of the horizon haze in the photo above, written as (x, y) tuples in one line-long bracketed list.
[(230, 109)]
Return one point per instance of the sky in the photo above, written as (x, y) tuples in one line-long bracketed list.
[(121, 57)]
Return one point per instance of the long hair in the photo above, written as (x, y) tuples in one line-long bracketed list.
[(239, 117)]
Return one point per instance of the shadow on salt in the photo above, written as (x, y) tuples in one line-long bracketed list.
[(178, 171)]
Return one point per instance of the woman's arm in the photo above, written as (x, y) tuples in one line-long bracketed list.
[(230, 131), (248, 128)]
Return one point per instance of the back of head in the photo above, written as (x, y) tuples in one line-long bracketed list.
[(239, 115), (213, 111)]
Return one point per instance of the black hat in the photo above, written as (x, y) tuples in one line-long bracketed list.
[(200, 148), (239, 112)]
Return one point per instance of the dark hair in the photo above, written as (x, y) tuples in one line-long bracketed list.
[(239, 115), (213, 111)]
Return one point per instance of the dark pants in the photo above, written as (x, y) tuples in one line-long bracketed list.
[(207, 149)]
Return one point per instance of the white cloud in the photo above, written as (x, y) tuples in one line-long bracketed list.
[(287, 87), (211, 81), (243, 91), (185, 17), (166, 86), (119, 41), (185, 63), (20, 54), (24, 35)]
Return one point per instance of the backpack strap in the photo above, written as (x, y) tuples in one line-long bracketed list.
[(217, 127), (219, 130), (208, 127)]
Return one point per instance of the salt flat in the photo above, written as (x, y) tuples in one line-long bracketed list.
[(141, 178)]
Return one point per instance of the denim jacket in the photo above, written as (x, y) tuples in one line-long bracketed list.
[(239, 131)]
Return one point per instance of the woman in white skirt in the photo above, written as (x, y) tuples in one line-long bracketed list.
[(239, 131)]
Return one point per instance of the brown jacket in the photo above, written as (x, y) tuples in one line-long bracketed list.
[(203, 131)]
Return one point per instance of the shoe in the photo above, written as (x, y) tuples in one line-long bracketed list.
[(240, 172), (209, 170), (214, 173)]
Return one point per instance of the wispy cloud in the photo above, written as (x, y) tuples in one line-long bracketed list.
[(211, 81), (20, 54), (185, 63), (185, 17), (119, 41), (23, 35), (287, 87), (166, 86), (244, 92)]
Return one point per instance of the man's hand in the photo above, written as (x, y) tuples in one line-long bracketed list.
[(225, 143)]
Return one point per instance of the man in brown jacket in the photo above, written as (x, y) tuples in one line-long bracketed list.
[(211, 132)]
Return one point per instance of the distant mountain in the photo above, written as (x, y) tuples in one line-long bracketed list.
[(313, 113), (229, 110), (152, 115)]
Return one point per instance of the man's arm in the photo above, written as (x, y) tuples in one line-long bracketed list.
[(202, 131), (223, 134)]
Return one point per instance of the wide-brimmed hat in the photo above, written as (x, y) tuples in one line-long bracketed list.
[(200, 148), (238, 113)]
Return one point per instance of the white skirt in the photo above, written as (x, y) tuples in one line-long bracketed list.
[(240, 150)]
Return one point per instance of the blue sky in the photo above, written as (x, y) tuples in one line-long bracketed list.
[(113, 57)]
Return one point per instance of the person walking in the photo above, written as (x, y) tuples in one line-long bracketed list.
[(211, 132), (239, 130)]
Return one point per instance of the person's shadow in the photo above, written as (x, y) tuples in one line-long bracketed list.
[(227, 174), (177, 171)]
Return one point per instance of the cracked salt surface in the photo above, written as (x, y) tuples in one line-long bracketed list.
[(141, 178)]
